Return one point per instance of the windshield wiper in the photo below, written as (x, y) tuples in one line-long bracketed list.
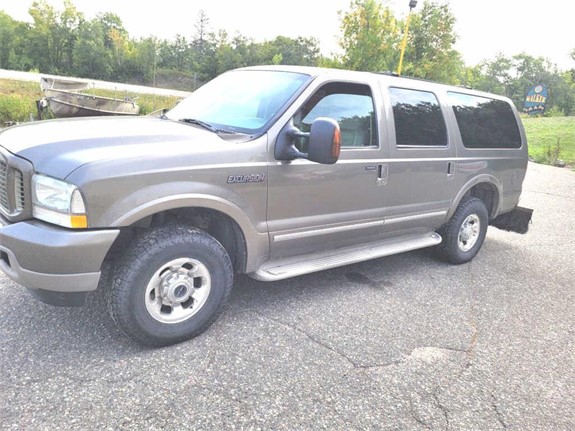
[(205, 125), (200, 123)]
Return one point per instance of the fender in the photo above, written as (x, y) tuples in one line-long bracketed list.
[(483, 178), (124, 213)]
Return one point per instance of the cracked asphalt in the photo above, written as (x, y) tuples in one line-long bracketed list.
[(399, 343)]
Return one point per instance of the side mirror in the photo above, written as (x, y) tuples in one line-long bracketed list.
[(324, 141)]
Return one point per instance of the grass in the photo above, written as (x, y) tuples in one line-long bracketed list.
[(149, 103), (551, 139), (18, 100)]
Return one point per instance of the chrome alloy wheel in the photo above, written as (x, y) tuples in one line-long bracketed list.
[(178, 290), (469, 232)]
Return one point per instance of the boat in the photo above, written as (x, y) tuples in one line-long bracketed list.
[(62, 84), (74, 104)]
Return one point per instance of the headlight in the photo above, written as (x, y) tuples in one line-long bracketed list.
[(58, 202)]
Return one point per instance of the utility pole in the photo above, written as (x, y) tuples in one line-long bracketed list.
[(412, 4)]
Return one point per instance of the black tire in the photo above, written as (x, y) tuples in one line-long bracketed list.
[(182, 267), (464, 233)]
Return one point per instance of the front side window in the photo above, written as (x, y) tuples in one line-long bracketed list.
[(242, 101), (485, 122), (351, 105), (418, 119)]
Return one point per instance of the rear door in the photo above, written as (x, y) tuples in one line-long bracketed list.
[(421, 167)]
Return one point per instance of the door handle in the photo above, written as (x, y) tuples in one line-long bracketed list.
[(450, 171), (382, 174)]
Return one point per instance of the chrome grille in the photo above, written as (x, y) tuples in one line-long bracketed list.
[(4, 199), (19, 190), (12, 191)]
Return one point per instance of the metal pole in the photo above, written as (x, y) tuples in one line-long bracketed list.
[(404, 43), (412, 4)]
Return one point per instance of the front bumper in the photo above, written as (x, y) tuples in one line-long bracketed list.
[(51, 259)]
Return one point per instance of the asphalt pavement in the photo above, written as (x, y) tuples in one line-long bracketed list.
[(400, 343)]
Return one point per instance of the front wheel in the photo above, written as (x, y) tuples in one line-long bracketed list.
[(170, 285), (464, 233)]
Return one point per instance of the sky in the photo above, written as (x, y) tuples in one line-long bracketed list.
[(485, 28)]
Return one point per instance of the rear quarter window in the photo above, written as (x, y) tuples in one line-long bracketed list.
[(484, 122)]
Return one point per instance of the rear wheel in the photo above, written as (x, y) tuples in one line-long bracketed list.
[(170, 285), (464, 233)]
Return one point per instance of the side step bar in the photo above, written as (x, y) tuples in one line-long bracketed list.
[(300, 265)]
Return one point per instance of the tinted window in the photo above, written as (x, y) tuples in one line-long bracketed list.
[(418, 118), (351, 105), (485, 122)]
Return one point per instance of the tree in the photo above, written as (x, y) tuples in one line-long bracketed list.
[(563, 95), (116, 41), (370, 37), (297, 52), (496, 75), (430, 53), (7, 30), (176, 55), (91, 56), (514, 76), (529, 71), (53, 35), (142, 60), (470, 76), (573, 68), (230, 54), (246, 51), (204, 46), (202, 31)]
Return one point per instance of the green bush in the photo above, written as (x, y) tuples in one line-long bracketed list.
[(15, 108), (554, 112), (150, 103)]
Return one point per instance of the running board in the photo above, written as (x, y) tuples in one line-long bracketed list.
[(305, 264)]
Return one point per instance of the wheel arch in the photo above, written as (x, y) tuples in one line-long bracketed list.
[(485, 187), (223, 220)]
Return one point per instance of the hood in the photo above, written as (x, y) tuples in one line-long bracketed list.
[(58, 147)]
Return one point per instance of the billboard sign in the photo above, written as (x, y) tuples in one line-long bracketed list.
[(536, 99)]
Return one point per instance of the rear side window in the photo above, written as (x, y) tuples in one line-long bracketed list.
[(485, 122), (418, 118)]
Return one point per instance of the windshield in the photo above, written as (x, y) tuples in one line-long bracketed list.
[(241, 101)]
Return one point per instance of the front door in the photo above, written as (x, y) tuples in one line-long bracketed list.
[(314, 207)]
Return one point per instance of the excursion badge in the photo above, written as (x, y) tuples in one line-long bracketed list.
[(241, 179)]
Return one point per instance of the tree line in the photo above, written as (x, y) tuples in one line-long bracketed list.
[(65, 42)]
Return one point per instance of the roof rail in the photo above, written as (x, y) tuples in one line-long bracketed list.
[(396, 75)]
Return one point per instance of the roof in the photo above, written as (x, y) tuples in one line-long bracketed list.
[(388, 77)]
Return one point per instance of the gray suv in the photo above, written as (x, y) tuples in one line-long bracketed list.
[(272, 172)]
